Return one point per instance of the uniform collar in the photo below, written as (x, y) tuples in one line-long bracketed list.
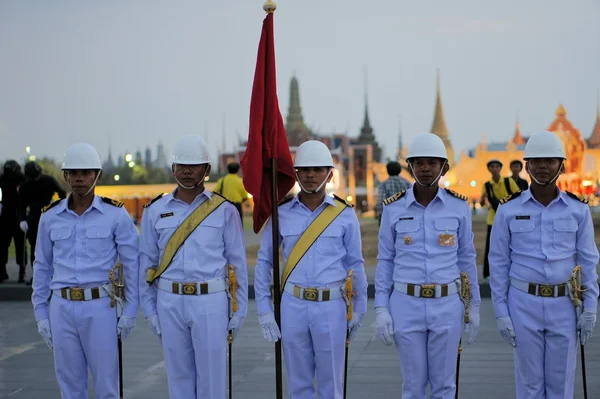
[(327, 200), (562, 196), (96, 203), (410, 195), (204, 193)]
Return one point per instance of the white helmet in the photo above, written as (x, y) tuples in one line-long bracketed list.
[(190, 149), (81, 156), (544, 145), (427, 145), (313, 153)]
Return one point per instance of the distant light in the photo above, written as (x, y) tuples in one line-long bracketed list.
[(446, 184), (131, 164), (32, 157), (473, 183), (349, 198), (117, 177), (128, 158), (28, 149), (249, 195), (206, 178), (587, 183)]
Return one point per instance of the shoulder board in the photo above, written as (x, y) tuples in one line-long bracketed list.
[(112, 202), (154, 200), (577, 197), (510, 197), (52, 205), (457, 195), (286, 200), (219, 195), (343, 201), (394, 197)]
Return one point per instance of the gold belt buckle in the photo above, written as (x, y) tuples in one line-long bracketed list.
[(546, 290), (427, 290), (311, 294), (77, 294), (189, 288)]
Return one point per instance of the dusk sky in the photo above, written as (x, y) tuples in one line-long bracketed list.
[(131, 73)]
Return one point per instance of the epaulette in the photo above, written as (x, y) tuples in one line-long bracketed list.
[(457, 195), (222, 197), (394, 197), (343, 201), (154, 200), (52, 205), (286, 200), (577, 197), (118, 204), (510, 197)]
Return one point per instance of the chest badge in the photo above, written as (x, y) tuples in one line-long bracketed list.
[(407, 240), (446, 240)]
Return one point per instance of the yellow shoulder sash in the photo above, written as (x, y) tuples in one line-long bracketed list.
[(309, 237), (182, 233)]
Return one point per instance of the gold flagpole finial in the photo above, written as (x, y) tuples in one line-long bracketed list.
[(269, 6)]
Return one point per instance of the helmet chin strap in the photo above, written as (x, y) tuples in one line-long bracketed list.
[(190, 187), (433, 182), (318, 188), (551, 181)]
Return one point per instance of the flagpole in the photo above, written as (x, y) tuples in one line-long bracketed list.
[(276, 278)]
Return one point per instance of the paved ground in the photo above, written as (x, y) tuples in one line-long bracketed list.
[(27, 372)]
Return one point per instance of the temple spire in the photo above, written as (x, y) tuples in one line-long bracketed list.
[(296, 130), (366, 132), (438, 127), (518, 137), (594, 140), (400, 148)]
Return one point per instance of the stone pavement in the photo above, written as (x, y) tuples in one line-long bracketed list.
[(27, 372)]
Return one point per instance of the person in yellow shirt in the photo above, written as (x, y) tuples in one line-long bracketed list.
[(231, 187), (494, 190)]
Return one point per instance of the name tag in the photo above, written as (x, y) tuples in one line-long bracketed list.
[(406, 218), (166, 215), (523, 217)]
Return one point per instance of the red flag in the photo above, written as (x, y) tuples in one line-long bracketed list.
[(266, 137)]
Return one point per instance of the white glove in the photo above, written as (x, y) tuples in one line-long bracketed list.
[(354, 324), (472, 327), (269, 327), (385, 325), (44, 330), (507, 330), (154, 325), (235, 324), (585, 325), (23, 226), (125, 326)]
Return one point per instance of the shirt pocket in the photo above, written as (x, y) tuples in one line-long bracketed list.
[(408, 235), (165, 227), (330, 242), (565, 234), (449, 228), (99, 241), (523, 237), (210, 233)]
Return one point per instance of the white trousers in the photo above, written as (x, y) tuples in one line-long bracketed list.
[(314, 342), (427, 332), (84, 334), (194, 340), (546, 351)]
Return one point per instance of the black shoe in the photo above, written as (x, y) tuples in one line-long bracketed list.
[(29, 282), (21, 275)]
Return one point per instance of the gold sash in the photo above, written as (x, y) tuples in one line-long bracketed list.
[(182, 233), (309, 237)]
